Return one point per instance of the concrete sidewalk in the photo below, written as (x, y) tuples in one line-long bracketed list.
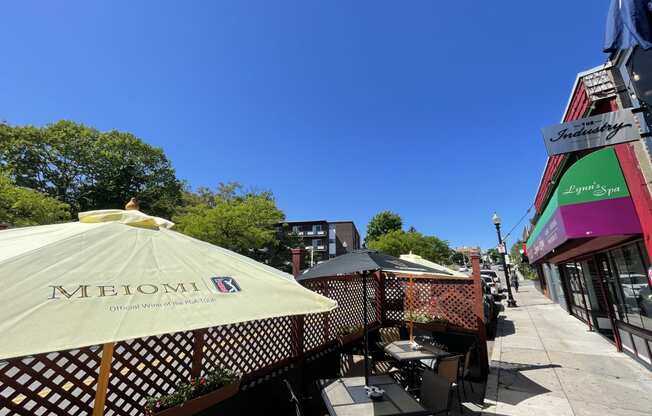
[(546, 362)]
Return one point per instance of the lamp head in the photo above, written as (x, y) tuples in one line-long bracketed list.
[(495, 219)]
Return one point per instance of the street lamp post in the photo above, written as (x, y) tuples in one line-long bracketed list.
[(510, 299)]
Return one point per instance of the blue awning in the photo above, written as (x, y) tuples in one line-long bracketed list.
[(629, 24)]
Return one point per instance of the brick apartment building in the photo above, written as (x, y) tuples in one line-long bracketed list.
[(326, 239)]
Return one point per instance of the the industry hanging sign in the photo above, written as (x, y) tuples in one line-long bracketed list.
[(597, 131)]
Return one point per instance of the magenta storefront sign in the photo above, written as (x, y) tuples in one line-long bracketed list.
[(588, 220), (552, 235)]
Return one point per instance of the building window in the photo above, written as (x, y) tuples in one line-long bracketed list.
[(295, 229), (630, 264), (640, 68), (317, 227)]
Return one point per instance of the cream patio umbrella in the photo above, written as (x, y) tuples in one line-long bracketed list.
[(414, 258), (118, 275)]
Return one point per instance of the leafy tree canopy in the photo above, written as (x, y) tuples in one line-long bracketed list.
[(238, 220), (517, 260), (22, 206), (397, 242), (383, 223), (459, 258), (494, 255), (88, 169)]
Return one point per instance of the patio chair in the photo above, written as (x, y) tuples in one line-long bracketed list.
[(465, 370), (448, 367), (428, 343), (293, 398), (352, 365), (435, 392), (388, 335)]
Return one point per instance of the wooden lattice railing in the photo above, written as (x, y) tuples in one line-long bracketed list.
[(449, 298), (64, 383)]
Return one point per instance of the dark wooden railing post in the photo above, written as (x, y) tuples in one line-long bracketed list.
[(298, 342), (380, 297), (199, 337), (327, 315)]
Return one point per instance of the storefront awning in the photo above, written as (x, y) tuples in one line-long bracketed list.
[(591, 200)]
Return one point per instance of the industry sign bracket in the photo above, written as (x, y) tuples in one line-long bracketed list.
[(604, 129)]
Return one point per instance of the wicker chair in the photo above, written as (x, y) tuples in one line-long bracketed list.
[(388, 335)]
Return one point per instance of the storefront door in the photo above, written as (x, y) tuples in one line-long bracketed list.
[(611, 286), (604, 295), (576, 293)]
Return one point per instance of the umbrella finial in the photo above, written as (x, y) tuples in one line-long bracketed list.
[(133, 204)]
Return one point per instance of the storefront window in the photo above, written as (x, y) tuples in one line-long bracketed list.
[(631, 273), (640, 68), (644, 295)]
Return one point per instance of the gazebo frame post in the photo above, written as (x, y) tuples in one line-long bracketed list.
[(366, 328)]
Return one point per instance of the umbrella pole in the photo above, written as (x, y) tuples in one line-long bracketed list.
[(103, 379), (366, 329)]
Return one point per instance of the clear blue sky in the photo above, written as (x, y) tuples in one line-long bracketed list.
[(432, 109)]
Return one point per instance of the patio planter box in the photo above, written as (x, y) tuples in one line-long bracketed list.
[(435, 326), (349, 338), (200, 403)]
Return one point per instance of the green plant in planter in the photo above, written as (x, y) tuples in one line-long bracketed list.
[(197, 387), (418, 317), (438, 318), (424, 318)]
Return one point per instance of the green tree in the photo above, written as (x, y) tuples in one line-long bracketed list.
[(494, 255), (399, 242), (243, 221), (21, 206), (517, 261), (458, 258), (383, 223), (88, 169)]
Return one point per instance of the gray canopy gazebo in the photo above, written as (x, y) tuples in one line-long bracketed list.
[(366, 262)]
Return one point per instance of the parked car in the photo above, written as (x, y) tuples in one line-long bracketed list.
[(489, 281), (463, 269), (490, 309), (495, 278)]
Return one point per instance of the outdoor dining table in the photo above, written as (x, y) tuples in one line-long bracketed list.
[(348, 397), (402, 351)]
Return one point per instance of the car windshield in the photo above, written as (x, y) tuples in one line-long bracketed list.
[(488, 279), (489, 273)]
